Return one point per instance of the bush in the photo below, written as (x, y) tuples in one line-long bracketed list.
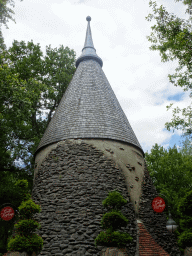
[(27, 226), (26, 240), (114, 201), (113, 238), (112, 221), (29, 244), (28, 208)]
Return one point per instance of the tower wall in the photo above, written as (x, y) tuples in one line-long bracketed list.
[(72, 179), (127, 157)]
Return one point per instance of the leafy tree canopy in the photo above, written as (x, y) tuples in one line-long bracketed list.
[(172, 37), (186, 147), (171, 174), (31, 87), (6, 13)]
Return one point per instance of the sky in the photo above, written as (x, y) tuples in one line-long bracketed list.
[(136, 74)]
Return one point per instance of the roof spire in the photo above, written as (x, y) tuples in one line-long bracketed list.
[(88, 39), (88, 51)]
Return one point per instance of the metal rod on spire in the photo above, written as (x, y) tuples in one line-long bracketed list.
[(88, 51), (88, 39)]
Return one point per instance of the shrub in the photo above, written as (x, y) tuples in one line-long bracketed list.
[(27, 226), (112, 221), (113, 238), (30, 243), (28, 208), (114, 201), (26, 240)]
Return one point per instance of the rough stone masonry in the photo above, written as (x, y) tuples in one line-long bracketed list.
[(72, 180)]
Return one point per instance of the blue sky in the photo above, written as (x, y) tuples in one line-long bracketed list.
[(176, 97), (119, 29)]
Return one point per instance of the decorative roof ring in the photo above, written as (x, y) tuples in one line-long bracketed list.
[(89, 51)]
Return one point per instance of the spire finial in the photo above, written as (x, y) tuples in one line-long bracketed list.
[(88, 18), (89, 51)]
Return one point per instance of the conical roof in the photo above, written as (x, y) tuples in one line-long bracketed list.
[(89, 107)]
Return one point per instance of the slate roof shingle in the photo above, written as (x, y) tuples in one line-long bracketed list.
[(89, 107)]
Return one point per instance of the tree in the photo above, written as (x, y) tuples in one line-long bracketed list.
[(5, 15), (6, 12), (172, 37), (31, 88), (184, 209), (186, 147), (170, 171)]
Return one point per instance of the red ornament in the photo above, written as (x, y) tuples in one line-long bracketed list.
[(158, 204), (7, 213)]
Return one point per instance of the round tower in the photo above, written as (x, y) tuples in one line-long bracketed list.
[(89, 149)]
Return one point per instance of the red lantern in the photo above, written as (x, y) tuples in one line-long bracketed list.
[(7, 213), (158, 204)]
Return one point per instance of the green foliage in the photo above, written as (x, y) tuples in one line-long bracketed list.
[(186, 223), (28, 243), (6, 12), (25, 240), (30, 83), (172, 37), (170, 171), (114, 201), (113, 238), (21, 186), (28, 208), (112, 221), (27, 226), (11, 192), (185, 209), (31, 87), (185, 239), (5, 15), (185, 205), (178, 123), (186, 147)]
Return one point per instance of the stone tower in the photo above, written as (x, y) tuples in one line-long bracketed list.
[(89, 149)]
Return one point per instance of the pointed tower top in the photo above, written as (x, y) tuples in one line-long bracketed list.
[(89, 108), (89, 51)]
